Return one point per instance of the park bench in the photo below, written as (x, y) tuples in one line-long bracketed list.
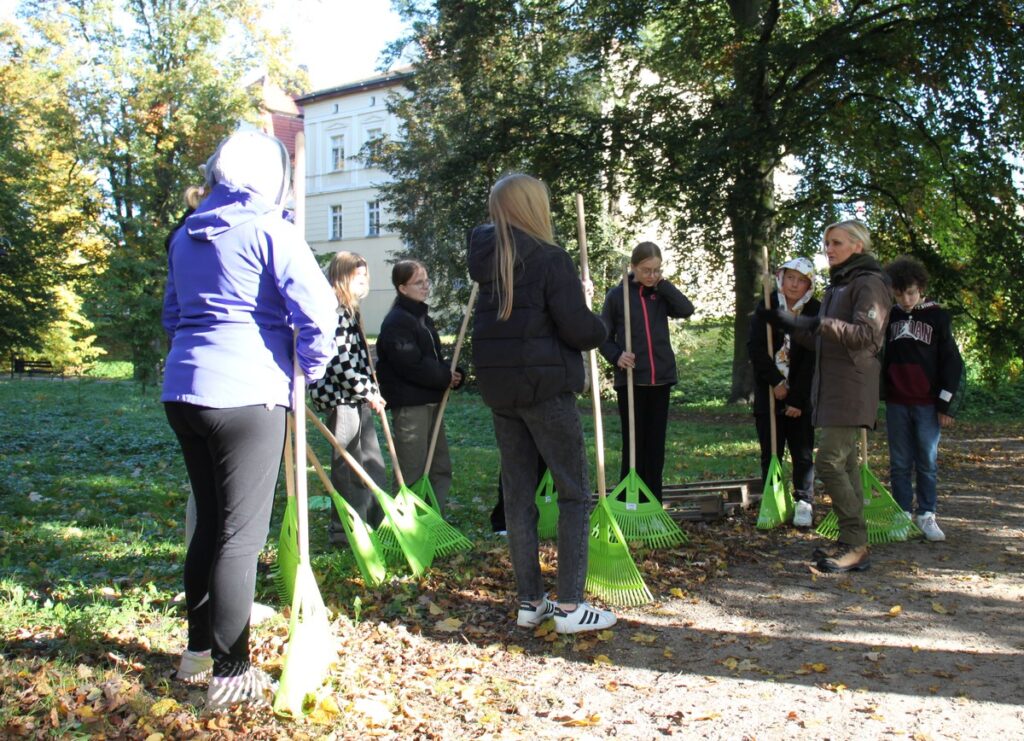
[(22, 367)]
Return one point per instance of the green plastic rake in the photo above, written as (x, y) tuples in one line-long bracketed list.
[(777, 504), (401, 532), (312, 647), (637, 512), (284, 569), (366, 546), (886, 520), (612, 574)]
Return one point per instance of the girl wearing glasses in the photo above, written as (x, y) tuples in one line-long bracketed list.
[(413, 376), (652, 302)]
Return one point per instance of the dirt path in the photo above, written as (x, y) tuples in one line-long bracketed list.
[(927, 644)]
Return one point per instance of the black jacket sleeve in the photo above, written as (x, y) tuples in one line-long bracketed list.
[(951, 369), (612, 316), (766, 373), (577, 326), (679, 307)]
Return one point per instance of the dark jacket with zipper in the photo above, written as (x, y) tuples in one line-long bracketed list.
[(649, 312), (410, 367), (848, 343), (766, 373), (535, 354)]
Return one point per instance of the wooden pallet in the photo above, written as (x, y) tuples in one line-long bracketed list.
[(710, 500)]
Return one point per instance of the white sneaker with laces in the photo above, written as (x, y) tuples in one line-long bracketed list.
[(254, 687), (531, 616), (583, 618), (195, 667), (803, 515), (930, 528)]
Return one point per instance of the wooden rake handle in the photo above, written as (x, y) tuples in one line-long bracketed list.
[(630, 401), (344, 454), (383, 415), (595, 391), (436, 432), (766, 289)]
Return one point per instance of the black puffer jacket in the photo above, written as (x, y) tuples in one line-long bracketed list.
[(649, 312), (410, 367), (534, 355), (766, 373)]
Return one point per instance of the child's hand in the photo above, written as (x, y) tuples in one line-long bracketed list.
[(781, 391), (456, 380), (945, 420), (626, 360), (793, 412), (376, 402), (588, 289)]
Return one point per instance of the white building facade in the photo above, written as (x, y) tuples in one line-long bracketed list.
[(343, 209)]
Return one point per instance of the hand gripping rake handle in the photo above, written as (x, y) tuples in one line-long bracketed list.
[(766, 286), (630, 402), (455, 362), (581, 231)]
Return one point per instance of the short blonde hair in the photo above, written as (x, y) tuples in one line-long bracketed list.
[(521, 201), (339, 274), (857, 230)]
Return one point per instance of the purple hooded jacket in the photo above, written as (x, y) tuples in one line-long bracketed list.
[(239, 276)]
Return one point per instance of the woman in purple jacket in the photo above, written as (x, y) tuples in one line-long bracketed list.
[(239, 279)]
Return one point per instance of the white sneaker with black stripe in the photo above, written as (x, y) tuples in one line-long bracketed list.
[(531, 616), (583, 618)]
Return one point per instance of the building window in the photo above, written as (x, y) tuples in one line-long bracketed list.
[(373, 218), (374, 134), (337, 152), (335, 230)]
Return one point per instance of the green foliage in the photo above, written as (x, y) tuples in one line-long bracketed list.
[(152, 88), (48, 211)]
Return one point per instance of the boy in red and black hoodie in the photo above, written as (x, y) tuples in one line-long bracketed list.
[(923, 379)]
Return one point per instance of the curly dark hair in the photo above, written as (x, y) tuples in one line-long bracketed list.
[(907, 271)]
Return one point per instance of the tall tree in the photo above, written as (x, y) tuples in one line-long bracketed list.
[(498, 87), (158, 85), (49, 206), (881, 107)]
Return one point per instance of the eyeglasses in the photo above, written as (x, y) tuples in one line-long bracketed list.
[(425, 283), (648, 272)]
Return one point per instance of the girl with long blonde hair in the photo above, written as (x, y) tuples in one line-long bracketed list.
[(530, 327)]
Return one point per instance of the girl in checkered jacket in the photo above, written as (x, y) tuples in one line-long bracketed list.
[(350, 396)]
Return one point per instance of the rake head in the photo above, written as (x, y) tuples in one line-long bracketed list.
[(640, 516), (425, 491), (365, 544), (312, 648), (446, 538), (547, 507), (287, 553), (776, 501), (886, 521), (403, 534), (612, 574)]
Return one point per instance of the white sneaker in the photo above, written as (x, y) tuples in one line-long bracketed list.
[(803, 515), (930, 528), (583, 618), (195, 667), (254, 687), (530, 616)]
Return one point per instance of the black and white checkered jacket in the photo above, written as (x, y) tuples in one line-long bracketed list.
[(348, 379)]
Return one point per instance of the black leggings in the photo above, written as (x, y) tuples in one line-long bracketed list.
[(233, 457), (798, 434), (650, 412)]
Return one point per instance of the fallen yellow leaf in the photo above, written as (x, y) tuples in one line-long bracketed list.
[(677, 592), (434, 609), (603, 660), (730, 662), (667, 653), (937, 607), (644, 638), (514, 649), (449, 625), (160, 708), (895, 610), (605, 635), (329, 705)]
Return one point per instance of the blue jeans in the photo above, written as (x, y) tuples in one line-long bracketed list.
[(913, 447), (551, 429)]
